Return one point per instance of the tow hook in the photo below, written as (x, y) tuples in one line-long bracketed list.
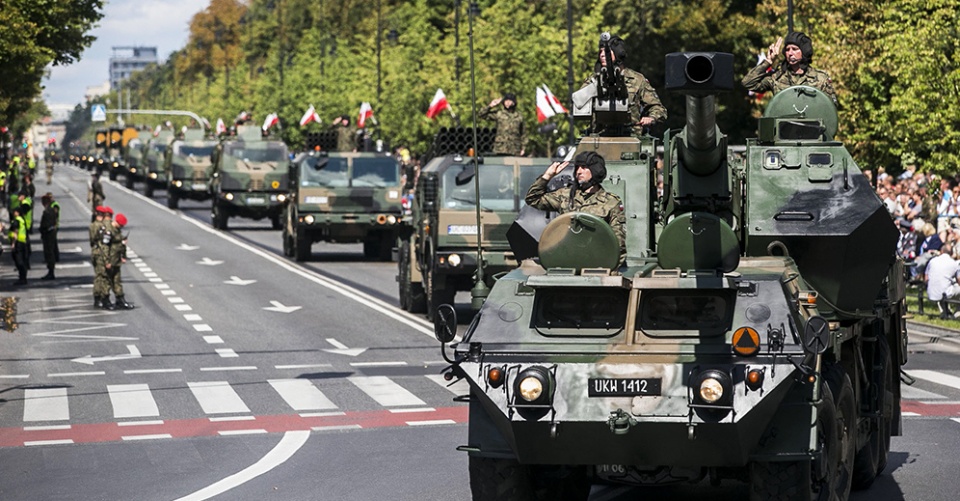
[(620, 422)]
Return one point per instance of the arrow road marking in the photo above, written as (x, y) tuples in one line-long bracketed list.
[(235, 280), (209, 262), (280, 308), (90, 360), (342, 348), (185, 247)]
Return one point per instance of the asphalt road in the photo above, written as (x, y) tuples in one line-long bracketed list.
[(242, 375)]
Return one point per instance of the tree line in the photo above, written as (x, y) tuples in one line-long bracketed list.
[(893, 63)]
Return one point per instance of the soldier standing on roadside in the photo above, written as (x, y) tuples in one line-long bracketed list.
[(797, 52), (95, 194), (20, 245), (511, 137), (98, 251), (116, 256), (48, 234)]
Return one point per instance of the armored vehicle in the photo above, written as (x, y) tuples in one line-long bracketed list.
[(155, 176), (755, 332), (438, 246), (189, 167), (250, 178), (134, 158), (112, 155), (343, 197)]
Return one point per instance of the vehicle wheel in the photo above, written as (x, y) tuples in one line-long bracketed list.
[(172, 200), (506, 479), (797, 480), (846, 428), (148, 189), (387, 240), (219, 216), (403, 275), (128, 181), (438, 292), (872, 458), (301, 247), (275, 222), (113, 174)]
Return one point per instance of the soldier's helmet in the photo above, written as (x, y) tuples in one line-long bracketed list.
[(803, 42)]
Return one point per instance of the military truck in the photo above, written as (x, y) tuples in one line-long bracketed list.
[(343, 198), (250, 178), (155, 176), (438, 246), (189, 166), (134, 158), (755, 332), (112, 155)]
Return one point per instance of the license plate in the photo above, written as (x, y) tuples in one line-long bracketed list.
[(256, 201), (624, 387), (199, 187)]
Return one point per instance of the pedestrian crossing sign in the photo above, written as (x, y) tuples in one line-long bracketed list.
[(98, 113)]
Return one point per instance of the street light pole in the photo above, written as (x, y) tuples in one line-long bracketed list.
[(480, 290), (570, 138)]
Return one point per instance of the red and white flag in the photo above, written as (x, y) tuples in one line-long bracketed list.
[(554, 102), (156, 132), (221, 127), (438, 104), (271, 120), (544, 110), (310, 116), (366, 112)]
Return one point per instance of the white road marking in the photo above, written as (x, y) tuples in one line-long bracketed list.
[(302, 366), (414, 409), (217, 397), (150, 274), (213, 339), (461, 387), (192, 317), (132, 401), (336, 428), (909, 414), (48, 442), (242, 432), (175, 300), (377, 364), (162, 286), (431, 423), (47, 428), (146, 437), (937, 377), (301, 395), (321, 414), (45, 404), (280, 308), (155, 280), (141, 423), (151, 371), (291, 442), (168, 292), (232, 368), (911, 393), (209, 262), (76, 374), (202, 328), (183, 307), (386, 392), (15, 376), (232, 418), (955, 420), (226, 353)]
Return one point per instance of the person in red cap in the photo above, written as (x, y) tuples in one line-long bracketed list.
[(115, 257)]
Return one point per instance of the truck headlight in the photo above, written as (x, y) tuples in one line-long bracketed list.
[(711, 390), (309, 219), (454, 260), (178, 183), (531, 388), (281, 198)]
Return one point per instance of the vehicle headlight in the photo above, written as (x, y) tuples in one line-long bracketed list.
[(393, 220), (453, 259), (530, 388), (178, 183), (228, 196), (133, 170), (281, 197), (153, 175), (711, 390), (115, 164), (309, 219)]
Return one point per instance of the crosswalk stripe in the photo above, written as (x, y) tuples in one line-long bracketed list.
[(132, 401), (461, 387), (217, 397), (911, 393), (301, 395), (45, 404), (937, 377), (385, 391)]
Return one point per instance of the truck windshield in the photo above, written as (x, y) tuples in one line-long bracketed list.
[(497, 188), (196, 151), (527, 176), (268, 153), (324, 171), (379, 172), (160, 148)]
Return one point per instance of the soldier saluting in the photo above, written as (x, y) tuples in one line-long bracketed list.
[(795, 69), (511, 137)]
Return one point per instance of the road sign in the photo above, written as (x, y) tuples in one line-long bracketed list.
[(98, 113)]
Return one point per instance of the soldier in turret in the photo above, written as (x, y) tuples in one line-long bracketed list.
[(586, 194), (346, 134), (794, 69), (511, 137)]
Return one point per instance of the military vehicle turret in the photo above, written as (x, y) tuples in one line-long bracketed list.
[(755, 332), (155, 176), (438, 244), (250, 178), (343, 198), (189, 166)]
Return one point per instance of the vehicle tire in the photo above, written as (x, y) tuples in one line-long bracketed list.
[(219, 216), (845, 401), (302, 247), (173, 201), (148, 189), (275, 222), (387, 240), (128, 181), (403, 275), (508, 480), (794, 480), (438, 292), (113, 174), (872, 458)]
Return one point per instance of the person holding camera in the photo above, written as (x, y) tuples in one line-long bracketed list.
[(646, 110), (775, 75)]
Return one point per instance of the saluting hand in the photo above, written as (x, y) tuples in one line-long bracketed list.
[(773, 52), (554, 169), (495, 102)]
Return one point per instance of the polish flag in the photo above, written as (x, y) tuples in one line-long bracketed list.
[(221, 127), (156, 132), (366, 111), (310, 116), (438, 104), (271, 120), (554, 102), (544, 110)]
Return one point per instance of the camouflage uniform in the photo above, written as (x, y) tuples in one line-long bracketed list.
[(96, 196), (759, 79), (511, 135), (644, 101), (114, 256), (601, 203), (346, 138), (98, 253)]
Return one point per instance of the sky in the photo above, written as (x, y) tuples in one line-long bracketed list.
[(163, 24)]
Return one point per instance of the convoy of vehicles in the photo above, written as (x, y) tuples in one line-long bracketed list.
[(189, 167), (155, 176)]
